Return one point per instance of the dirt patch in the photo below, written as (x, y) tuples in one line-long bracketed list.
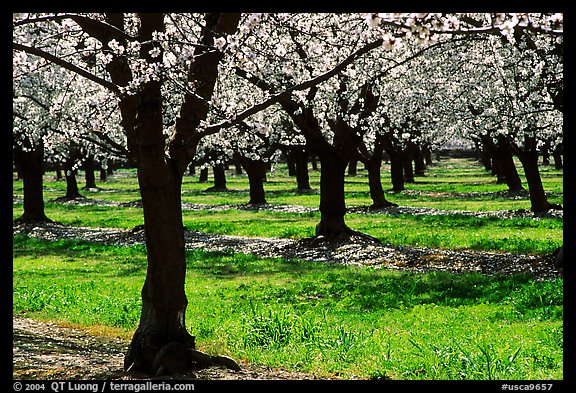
[(47, 351)]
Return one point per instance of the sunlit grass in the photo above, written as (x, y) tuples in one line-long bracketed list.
[(324, 319)]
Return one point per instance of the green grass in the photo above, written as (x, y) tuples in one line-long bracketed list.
[(445, 186), (325, 319)]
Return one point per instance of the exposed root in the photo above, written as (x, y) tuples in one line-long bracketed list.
[(175, 358)]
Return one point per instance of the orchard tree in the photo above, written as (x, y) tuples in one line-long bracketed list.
[(514, 111), (142, 59), (134, 67)]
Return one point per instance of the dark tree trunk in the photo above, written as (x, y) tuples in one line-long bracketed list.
[(191, 169), (102, 174), (32, 166), (89, 176), (503, 162), (332, 201), (58, 171), (314, 162), (203, 178), (237, 167), (256, 171), (163, 298), (375, 183), (72, 190), (353, 168), (291, 163), (529, 158), (301, 163), (506, 160), (485, 158), (557, 155), (219, 178), (407, 163), (498, 171), (546, 153), (419, 164)]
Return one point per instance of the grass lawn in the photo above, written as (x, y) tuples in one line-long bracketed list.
[(319, 318), (325, 319)]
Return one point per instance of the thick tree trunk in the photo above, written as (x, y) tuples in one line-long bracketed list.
[(419, 163), (203, 178), (72, 190), (397, 171), (557, 155), (353, 168), (256, 171), (529, 159), (58, 171), (375, 183), (162, 320), (332, 201), (301, 164), (162, 344), (291, 162), (89, 176), (219, 178), (31, 164)]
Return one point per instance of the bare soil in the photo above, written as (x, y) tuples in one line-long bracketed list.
[(47, 351)]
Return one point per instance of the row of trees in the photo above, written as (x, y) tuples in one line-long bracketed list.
[(160, 88)]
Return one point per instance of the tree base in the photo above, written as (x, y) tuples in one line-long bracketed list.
[(384, 205), (216, 189), (176, 358), (548, 206), (28, 219)]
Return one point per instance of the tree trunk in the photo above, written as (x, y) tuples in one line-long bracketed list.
[(353, 168), (557, 155), (164, 302), (72, 190), (58, 171), (314, 162), (397, 171), (89, 176), (546, 153), (485, 158), (256, 171), (219, 178), (191, 169), (31, 164), (419, 164), (290, 162), (102, 175), (375, 183), (161, 342), (332, 201), (506, 160), (301, 164), (203, 178), (529, 159)]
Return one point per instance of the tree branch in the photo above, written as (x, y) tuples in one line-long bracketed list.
[(69, 66)]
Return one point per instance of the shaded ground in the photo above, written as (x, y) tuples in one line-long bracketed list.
[(46, 351), (356, 252)]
